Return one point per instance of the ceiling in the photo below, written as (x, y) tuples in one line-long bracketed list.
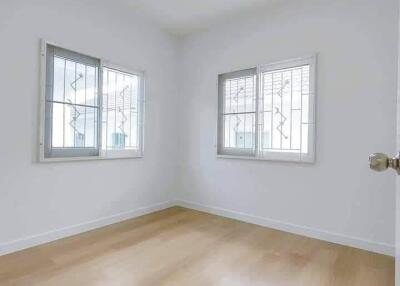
[(182, 17)]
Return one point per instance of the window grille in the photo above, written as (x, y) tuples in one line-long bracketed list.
[(72, 104), (238, 112), (122, 109), (273, 119)]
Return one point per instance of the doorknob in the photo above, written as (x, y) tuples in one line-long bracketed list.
[(380, 162)]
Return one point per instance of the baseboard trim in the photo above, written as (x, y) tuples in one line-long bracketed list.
[(355, 242), (34, 240)]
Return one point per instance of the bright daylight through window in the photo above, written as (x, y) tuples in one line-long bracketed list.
[(90, 109), (268, 112)]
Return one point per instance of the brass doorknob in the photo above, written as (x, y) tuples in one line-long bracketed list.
[(380, 162)]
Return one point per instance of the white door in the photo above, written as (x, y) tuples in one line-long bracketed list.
[(397, 240), (398, 178), (380, 162)]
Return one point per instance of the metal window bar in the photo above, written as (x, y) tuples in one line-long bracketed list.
[(52, 149), (239, 95), (123, 109), (303, 79)]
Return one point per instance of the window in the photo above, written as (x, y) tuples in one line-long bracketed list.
[(268, 112), (91, 109)]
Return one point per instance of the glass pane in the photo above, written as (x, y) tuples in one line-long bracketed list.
[(266, 131), (80, 84), (305, 108), (277, 118), (285, 95), (249, 125), (70, 81), (70, 123), (74, 83), (286, 92), (91, 85), (233, 96), (104, 114), (73, 126), (90, 135), (110, 128), (227, 97), (296, 89), (296, 124), (58, 87), (57, 125), (121, 107), (267, 92), (239, 131), (133, 140), (134, 82), (239, 95), (304, 138), (250, 94), (305, 79)]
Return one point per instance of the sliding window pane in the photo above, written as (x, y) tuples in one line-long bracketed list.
[(58, 79), (91, 85), (239, 131), (122, 91), (57, 124)]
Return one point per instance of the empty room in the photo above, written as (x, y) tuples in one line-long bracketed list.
[(196, 143)]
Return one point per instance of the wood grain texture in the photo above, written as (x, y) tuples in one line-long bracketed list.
[(179, 246)]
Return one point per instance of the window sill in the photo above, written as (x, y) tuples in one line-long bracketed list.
[(254, 158), (94, 158)]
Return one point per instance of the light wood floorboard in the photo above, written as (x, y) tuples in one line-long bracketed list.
[(178, 246)]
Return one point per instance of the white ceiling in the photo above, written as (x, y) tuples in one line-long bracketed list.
[(181, 17)]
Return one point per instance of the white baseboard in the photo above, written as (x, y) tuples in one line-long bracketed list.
[(49, 236), (42, 238), (356, 242)]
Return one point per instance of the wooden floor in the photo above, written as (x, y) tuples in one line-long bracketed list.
[(184, 247)]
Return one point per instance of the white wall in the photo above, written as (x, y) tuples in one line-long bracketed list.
[(357, 45), (36, 198)]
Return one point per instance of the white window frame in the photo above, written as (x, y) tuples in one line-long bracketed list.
[(101, 154), (308, 157)]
